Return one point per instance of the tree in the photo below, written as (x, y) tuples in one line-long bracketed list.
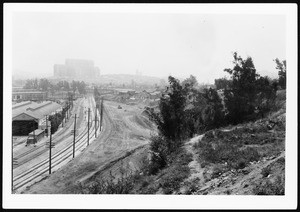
[(190, 82), (266, 95), (31, 84), (248, 92), (213, 113), (240, 97), (170, 119), (74, 86), (81, 87), (44, 84), (195, 103), (222, 83), (281, 66)]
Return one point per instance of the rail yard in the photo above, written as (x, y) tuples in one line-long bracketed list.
[(32, 161), (124, 130)]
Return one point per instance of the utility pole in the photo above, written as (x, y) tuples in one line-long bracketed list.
[(101, 116), (56, 118), (67, 112), (34, 133), (88, 127), (74, 137), (50, 147), (47, 126), (62, 116), (96, 123), (14, 162)]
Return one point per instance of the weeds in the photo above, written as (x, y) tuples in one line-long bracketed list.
[(266, 171), (270, 188), (122, 185), (172, 176), (228, 152)]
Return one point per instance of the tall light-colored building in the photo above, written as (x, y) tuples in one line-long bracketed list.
[(76, 69)]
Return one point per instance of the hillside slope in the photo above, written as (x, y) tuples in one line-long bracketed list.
[(248, 159)]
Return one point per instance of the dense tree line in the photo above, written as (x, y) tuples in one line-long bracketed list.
[(183, 112), (57, 118), (45, 85), (186, 110)]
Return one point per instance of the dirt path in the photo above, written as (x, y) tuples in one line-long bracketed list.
[(195, 167)]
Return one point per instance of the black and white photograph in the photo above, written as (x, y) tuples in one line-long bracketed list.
[(150, 106)]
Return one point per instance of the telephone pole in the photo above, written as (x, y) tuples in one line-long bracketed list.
[(101, 115), (50, 147), (34, 134), (47, 125), (96, 123), (14, 162), (68, 112), (62, 116), (88, 127), (74, 137)]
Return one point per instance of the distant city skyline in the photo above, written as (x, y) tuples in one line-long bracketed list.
[(76, 69), (156, 44)]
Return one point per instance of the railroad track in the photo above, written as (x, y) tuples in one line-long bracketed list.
[(42, 167), (56, 138), (62, 155), (108, 124)]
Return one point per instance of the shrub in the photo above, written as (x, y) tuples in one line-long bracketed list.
[(150, 190), (270, 188), (266, 171), (228, 192), (218, 170), (204, 164), (171, 181), (177, 171), (123, 186), (159, 152), (227, 151), (240, 164)]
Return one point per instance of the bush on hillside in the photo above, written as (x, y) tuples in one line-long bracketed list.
[(228, 152), (267, 187)]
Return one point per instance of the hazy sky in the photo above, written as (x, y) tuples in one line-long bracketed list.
[(154, 44)]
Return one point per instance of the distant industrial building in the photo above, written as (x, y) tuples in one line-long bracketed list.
[(28, 116), (20, 94), (128, 92), (76, 69)]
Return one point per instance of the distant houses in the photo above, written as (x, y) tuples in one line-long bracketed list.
[(130, 95), (143, 95)]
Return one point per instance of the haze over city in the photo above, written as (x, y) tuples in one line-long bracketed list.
[(160, 99), (153, 44)]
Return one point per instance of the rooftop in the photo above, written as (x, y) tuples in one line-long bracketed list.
[(124, 90), (28, 92), (35, 110)]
